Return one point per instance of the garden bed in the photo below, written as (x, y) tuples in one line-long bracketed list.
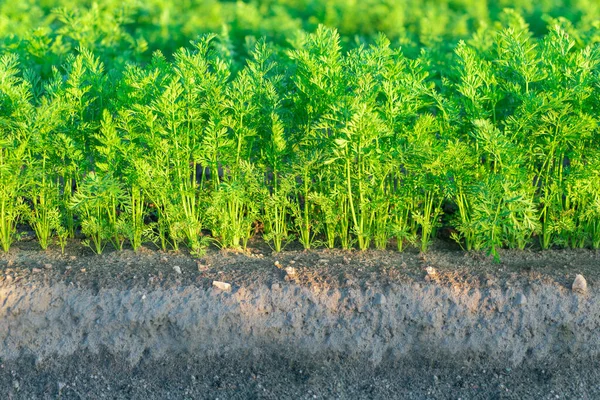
[(341, 324)]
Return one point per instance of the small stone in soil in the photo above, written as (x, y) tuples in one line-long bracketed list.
[(580, 284), (520, 300), (177, 269), (36, 270), (48, 266), (222, 285), (379, 299), (290, 271)]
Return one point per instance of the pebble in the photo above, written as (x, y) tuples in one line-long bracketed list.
[(36, 270), (48, 266), (580, 284), (379, 299), (290, 271), (222, 285), (177, 269), (277, 264), (520, 300), (431, 271)]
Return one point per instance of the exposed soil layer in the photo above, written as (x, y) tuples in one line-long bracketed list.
[(345, 325)]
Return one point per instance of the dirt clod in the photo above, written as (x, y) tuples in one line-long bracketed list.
[(201, 267)]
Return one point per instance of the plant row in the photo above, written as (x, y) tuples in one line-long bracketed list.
[(361, 148)]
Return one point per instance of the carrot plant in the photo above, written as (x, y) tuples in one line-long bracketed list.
[(97, 202), (235, 179), (15, 120), (12, 159), (145, 150), (43, 190)]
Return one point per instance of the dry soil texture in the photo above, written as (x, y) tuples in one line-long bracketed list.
[(339, 325)]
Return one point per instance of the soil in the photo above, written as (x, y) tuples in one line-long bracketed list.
[(346, 324)]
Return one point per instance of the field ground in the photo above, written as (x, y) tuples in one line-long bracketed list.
[(346, 325), (276, 376)]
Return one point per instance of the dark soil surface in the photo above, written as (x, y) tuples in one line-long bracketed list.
[(277, 376), (322, 268), (265, 373)]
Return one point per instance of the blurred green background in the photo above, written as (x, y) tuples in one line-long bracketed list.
[(119, 31)]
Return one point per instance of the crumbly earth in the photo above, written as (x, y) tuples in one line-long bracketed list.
[(489, 345), (278, 376)]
